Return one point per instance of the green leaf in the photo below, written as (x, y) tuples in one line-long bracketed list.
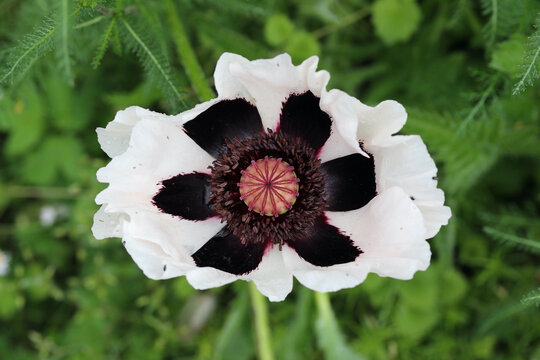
[(509, 55), (278, 29), (231, 342), (28, 50), (395, 20), (298, 332), (329, 336), (104, 43), (513, 240), (11, 300), (413, 322), (68, 111), (28, 123), (532, 298), (154, 62), (45, 166), (302, 45), (531, 61)]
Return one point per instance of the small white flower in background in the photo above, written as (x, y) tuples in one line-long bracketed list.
[(276, 177), (5, 259), (49, 214)]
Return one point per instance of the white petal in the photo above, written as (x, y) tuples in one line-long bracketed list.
[(154, 262), (108, 224), (114, 139), (323, 279), (160, 243), (227, 85), (405, 162), (376, 124), (272, 277), (158, 150), (342, 108), (208, 277), (268, 83), (173, 234), (390, 232)]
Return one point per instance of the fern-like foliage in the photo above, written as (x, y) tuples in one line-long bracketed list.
[(154, 62), (64, 34), (29, 49), (466, 156), (513, 240), (532, 298), (249, 8), (503, 16), (531, 62), (104, 43)]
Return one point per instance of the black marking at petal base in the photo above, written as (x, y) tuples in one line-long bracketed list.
[(325, 245), (228, 253), (350, 182), (185, 196), (226, 119), (302, 117)]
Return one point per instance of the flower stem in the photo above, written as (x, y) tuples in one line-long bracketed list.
[(262, 327), (323, 305), (186, 53)]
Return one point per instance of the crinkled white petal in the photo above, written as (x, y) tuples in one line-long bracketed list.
[(267, 83), (173, 234), (377, 124), (154, 261), (390, 232), (158, 150), (323, 279), (160, 243), (108, 224), (405, 162), (114, 138), (342, 141), (202, 278), (272, 277)]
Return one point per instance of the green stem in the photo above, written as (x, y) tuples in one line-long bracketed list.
[(186, 53), (89, 22), (262, 327), (323, 305)]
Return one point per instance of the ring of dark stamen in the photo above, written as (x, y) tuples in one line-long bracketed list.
[(236, 156)]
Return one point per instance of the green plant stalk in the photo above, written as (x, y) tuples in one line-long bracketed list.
[(323, 305), (262, 328), (186, 54)]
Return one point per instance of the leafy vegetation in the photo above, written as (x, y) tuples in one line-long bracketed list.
[(466, 71)]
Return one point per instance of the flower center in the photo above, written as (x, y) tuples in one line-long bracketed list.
[(269, 186)]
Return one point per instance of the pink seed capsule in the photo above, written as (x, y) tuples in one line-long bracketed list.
[(269, 186)]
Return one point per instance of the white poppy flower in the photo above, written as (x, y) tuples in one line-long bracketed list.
[(276, 177), (5, 259)]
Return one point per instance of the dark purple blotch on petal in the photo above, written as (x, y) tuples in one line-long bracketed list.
[(302, 117), (325, 245), (185, 196), (227, 252), (350, 182), (226, 119)]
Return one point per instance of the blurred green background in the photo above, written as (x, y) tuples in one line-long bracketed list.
[(465, 70)]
